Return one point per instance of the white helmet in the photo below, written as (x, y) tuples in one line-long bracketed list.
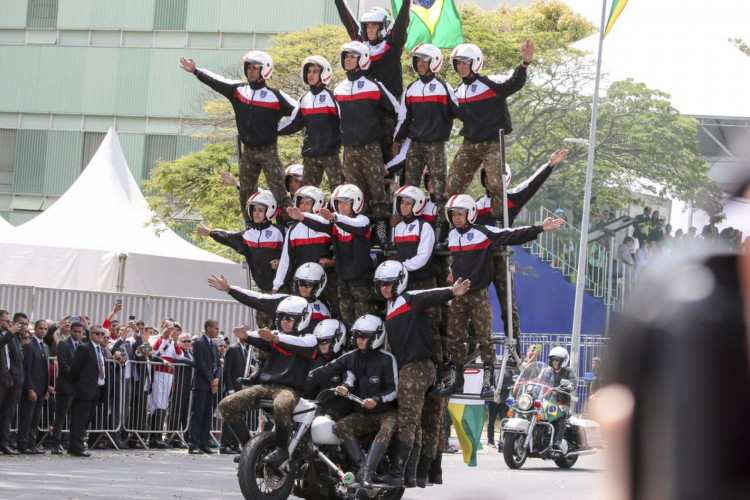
[(260, 59), (298, 309), (391, 272), (294, 170), (358, 49), (560, 353), (376, 15), (331, 329), (351, 193), (315, 194), (265, 199), (427, 51), (462, 202), (369, 326), (469, 53), (310, 273), (326, 73), (410, 193), (483, 176)]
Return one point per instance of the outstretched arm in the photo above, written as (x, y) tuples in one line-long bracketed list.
[(398, 33), (348, 19)]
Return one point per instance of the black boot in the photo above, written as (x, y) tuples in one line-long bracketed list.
[(435, 476), (354, 450), (374, 456), (457, 382), (395, 476), (239, 429), (437, 385), (410, 474), (423, 470), (488, 381), (157, 424), (441, 235), (281, 453)]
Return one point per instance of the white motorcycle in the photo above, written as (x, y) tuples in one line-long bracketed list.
[(317, 469), (528, 432)]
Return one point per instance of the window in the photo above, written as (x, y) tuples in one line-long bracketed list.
[(42, 14)]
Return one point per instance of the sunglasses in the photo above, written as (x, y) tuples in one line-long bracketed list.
[(363, 335), (188, 341), (306, 283), (324, 341), (96, 333), (287, 317)]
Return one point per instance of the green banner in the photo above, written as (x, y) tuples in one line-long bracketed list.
[(432, 21)]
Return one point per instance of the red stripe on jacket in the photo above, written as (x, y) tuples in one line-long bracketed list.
[(311, 241), (487, 94), (262, 104), (467, 248), (443, 99), (373, 94), (401, 309)]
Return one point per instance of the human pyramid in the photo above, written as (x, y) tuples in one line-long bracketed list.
[(314, 264)]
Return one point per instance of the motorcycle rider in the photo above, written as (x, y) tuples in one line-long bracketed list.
[(282, 377), (558, 362), (331, 337), (373, 376)]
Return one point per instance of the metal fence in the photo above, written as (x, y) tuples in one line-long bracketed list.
[(53, 303)]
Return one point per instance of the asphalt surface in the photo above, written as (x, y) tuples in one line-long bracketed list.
[(175, 474)]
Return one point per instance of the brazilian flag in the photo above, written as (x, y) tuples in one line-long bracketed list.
[(432, 21), (468, 420)]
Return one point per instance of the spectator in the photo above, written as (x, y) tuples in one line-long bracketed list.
[(642, 226), (7, 335), (126, 345), (88, 377), (235, 360), (64, 387), (180, 397), (710, 232), (642, 257), (205, 385), (36, 388), (13, 395), (165, 349), (57, 333), (598, 382)]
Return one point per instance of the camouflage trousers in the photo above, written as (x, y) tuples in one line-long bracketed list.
[(312, 174), (474, 307), (255, 159), (387, 130), (264, 320), (432, 156), (432, 316), (499, 280), (363, 166), (472, 155), (284, 399), (360, 424), (413, 381), (432, 426), (331, 292), (356, 298)]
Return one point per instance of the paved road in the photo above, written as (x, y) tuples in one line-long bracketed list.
[(175, 474)]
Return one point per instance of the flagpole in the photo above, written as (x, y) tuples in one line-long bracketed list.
[(583, 245)]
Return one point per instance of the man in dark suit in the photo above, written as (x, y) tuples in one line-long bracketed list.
[(36, 388), (64, 388), (13, 395), (7, 331), (234, 368), (88, 376), (126, 345), (205, 386)]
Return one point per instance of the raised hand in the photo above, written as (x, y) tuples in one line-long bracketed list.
[(218, 282), (527, 51), (551, 224), (187, 64), (558, 156)]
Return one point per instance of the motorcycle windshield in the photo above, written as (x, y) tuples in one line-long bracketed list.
[(535, 380)]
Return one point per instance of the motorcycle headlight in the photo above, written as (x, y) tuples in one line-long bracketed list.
[(524, 402)]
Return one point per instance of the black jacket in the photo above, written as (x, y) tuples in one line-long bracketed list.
[(329, 400), (483, 104), (36, 367), (368, 374), (471, 253), (408, 332), (5, 378), (288, 361), (267, 303), (318, 113), (361, 99), (16, 360), (427, 110), (301, 245), (206, 363), (351, 243), (260, 244), (257, 108), (84, 372), (234, 368), (414, 240), (385, 57), (65, 352)]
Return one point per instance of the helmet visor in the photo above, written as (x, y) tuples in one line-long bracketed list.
[(287, 317), (386, 282), (257, 64), (463, 59), (360, 334), (306, 283)]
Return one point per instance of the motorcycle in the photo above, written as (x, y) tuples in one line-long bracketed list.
[(318, 467), (528, 432)]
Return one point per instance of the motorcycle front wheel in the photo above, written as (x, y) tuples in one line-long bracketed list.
[(259, 481), (514, 451)]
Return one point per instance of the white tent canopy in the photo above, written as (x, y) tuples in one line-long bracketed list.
[(97, 235)]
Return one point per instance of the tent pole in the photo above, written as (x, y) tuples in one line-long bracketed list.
[(121, 272)]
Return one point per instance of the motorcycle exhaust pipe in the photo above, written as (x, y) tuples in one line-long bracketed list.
[(583, 452)]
